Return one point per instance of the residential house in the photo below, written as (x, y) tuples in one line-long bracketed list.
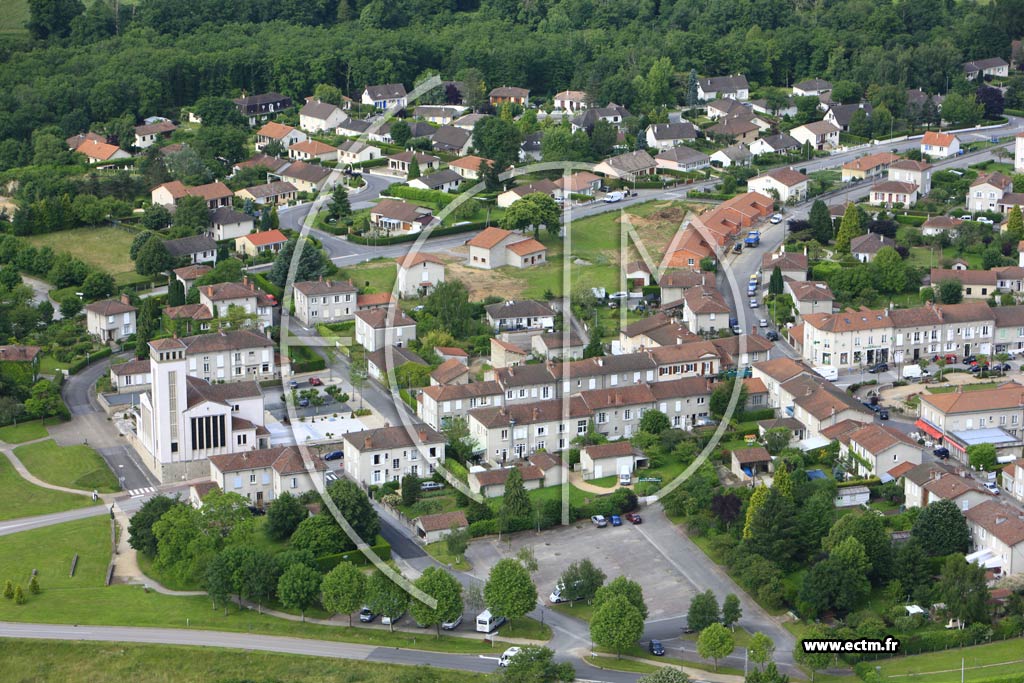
[(21, 361), (810, 296), (688, 248), (469, 167), (792, 264), (276, 193), (997, 533), (311, 178), (705, 310), (939, 145), (746, 464), (216, 194), (385, 96), (99, 152), (392, 215), (220, 297), (419, 274), (812, 87), (785, 183), (110, 319), (993, 67), (495, 247), (847, 339), (936, 225), (733, 155), (262, 475), (437, 405), (286, 136), (557, 346), (667, 135), (509, 94), (775, 144), (1009, 323), (727, 106), (945, 415), (682, 159), (376, 456), (868, 166), (774, 108), (450, 352), (629, 166), (579, 183), (435, 527), (382, 327), (379, 300), (841, 114), (149, 134), (443, 181), (571, 101), (818, 134), (356, 127), (638, 275), (736, 128), (450, 371), (399, 163), (506, 354), (353, 152), (194, 249), (490, 483), (934, 481), (615, 114), (977, 284), (308, 150), (517, 431), (228, 224), (916, 172), (675, 281), (735, 87), (270, 164), (514, 194), (452, 139), (469, 121), (254, 244), (389, 359), (864, 247), (324, 301), (987, 191), (187, 318), (133, 375), (320, 117), (75, 141), (876, 449), (186, 275), (441, 116), (1013, 479), (256, 108), (520, 315)]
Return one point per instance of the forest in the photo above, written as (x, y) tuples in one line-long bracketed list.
[(78, 65)]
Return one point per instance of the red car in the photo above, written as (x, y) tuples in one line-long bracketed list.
[(315, 382), (633, 517)]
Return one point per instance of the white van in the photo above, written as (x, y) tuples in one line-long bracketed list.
[(559, 594), (625, 478), (507, 655), (912, 371), (829, 373), (487, 622)]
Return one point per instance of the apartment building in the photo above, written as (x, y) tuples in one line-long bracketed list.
[(231, 356), (997, 531), (324, 301), (375, 456), (219, 299), (437, 405)]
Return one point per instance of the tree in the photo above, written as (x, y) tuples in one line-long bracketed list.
[(951, 291), (860, 125), (385, 597), (320, 535), (509, 591), (654, 422), (153, 258), (19, 595), (219, 580), (889, 270), (191, 217), (772, 528), (911, 569), (496, 139), (814, 660), (533, 210), (140, 240), (602, 139), (666, 674), (456, 542), (731, 610), (70, 305), (400, 134), (532, 664), (298, 588), (721, 397), (775, 283), (258, 575), (218, 111), (45, 401), (516, 503), (581, 580), (33, 585), (343, 590), (175, 292), (871, 532), (594, 347), (616, 624), (622, 586), (754, 505), (410, 490), (340, 206), (449, 304), (941, 529), (963, 589), (443, 587), (140, 526), (777, 438), (1015, 223), (703, 611), (310, 266), (760, 649), (962, 110), (982, 456), (846, 92), (284, 516), (715, 642), (849, 228), (726, 507), (821, 222), (692, 92), (9, 589), (52, 18), (414, 169)]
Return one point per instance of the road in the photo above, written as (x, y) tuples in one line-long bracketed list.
[(13, 526), (41, 292)]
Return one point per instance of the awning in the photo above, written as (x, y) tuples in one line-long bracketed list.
[(928, 429)]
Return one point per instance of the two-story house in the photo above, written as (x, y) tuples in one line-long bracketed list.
[(111, 319), (376, 456), (324, 301), (380, 327), (219, 298)]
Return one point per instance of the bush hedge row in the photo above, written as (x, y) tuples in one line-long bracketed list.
[(436, 232), (328, 562), (82, 363)]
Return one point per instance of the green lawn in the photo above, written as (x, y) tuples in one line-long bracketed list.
[(43, 660), (998, 659), (84, 599), (26, 431), (581, 610), (106, 248), (13, 16), (610, 662), (23, 499), (965, 387), (641, 652), (525, 627), (576, 496), (926, 257), (439, 551), (374, 276), (77, 467)]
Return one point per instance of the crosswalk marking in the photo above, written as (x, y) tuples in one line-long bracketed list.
[(134, 493)]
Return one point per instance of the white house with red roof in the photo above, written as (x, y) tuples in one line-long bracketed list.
[(939, 145), (495, 247), (257, 243), (419, 274), (284, 135)]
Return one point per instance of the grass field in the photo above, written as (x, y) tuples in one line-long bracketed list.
[(105, 248), (926, 257), (373, 276), (981, 662), (610, 662), (26, 660), (84, 599), (77, 467), (439, 551), (22, 499), (13, 15), (26, 431), (965, 387)]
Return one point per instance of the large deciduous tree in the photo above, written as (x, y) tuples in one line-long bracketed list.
[(446, 590), (616, 624), (715, 642), (509, 591), (298, 588), (941, 529), (343, 590)]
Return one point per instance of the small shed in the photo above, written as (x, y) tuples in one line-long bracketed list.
[(747, 463), (851, 496), (610, 459), (433, 528)]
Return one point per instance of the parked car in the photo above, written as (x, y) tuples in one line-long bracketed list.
[(874, 407), (991, 488), (293, 384), (753, 303), (453, 624), (613, 197), (335, 455), (763, 322), (366, 616), (656, 648), (315, 382), (879, 367), (986, 220), (941, 452), (599, 521), (616, 520), (968, 360), (303, 402), (1005, 367), (771, 335), (431, 486), (883, 414), (507, 655), (388, 621), (775, 219), (736, 329), (633, 518), (737, 248)]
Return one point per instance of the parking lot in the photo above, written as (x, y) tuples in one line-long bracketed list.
[(614, 550)]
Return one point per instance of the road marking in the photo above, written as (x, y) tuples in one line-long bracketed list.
[(494, 659), (136, 493)]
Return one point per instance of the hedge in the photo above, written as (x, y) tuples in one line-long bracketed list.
[(915, 221), (873, 481), (305, 359), (437, 232), (758, 415), (438, 197), (266, 285), (328, 562), (372, 163), (80, 364)]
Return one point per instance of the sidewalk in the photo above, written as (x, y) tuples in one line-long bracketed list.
[(576, 479), (31, 478)]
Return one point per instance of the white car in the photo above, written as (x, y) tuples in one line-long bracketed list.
[(967, 217), (599, 521), (992, 488), (452, 625), (763, 322), (775, 219), (753, 303), (986, 220)]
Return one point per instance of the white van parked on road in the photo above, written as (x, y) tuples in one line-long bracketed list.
[(487, 622)]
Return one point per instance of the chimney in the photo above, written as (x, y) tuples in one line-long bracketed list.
[(320, 279), (367, 443), (209, 290), (423, 435), (600, 362)]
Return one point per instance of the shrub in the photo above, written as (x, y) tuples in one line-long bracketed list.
[(483, 527)]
